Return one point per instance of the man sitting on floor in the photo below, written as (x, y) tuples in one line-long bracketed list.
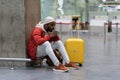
[(44, 39)]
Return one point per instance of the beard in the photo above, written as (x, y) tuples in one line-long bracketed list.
[(50, 30)]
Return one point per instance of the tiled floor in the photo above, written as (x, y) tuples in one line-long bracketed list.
[(102, 62)]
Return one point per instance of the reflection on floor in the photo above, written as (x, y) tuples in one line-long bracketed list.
[(102, 62)]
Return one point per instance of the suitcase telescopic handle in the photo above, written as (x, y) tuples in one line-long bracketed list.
[(77, 33)]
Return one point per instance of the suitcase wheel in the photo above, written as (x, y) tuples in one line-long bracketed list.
[(80, 64)]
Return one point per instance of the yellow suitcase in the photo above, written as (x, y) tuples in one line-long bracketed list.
[(75, 50)]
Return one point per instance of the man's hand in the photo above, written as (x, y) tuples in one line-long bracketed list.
[(53, 33)]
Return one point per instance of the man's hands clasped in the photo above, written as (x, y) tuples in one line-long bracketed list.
[(53, 33)]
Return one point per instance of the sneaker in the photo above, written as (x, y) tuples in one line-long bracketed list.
[(61, 68), (72, 65)]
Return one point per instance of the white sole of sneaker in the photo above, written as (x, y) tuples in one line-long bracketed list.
[(60, 70), (73, 68)]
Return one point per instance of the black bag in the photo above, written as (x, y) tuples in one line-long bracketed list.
[(38, 62), (57, 54)]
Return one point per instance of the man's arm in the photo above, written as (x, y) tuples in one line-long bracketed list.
[(37, 35), (54, 35)]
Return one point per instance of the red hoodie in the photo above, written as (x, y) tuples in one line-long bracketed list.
[(38, 37)]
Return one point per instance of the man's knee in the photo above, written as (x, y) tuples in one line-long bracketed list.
[(47, 43), (59, 43)]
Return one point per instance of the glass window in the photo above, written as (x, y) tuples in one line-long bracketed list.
[(72, 7)]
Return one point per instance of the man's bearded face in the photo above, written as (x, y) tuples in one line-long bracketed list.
[(51, 26)]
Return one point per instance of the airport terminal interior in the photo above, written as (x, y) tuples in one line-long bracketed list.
[(96, 22)]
